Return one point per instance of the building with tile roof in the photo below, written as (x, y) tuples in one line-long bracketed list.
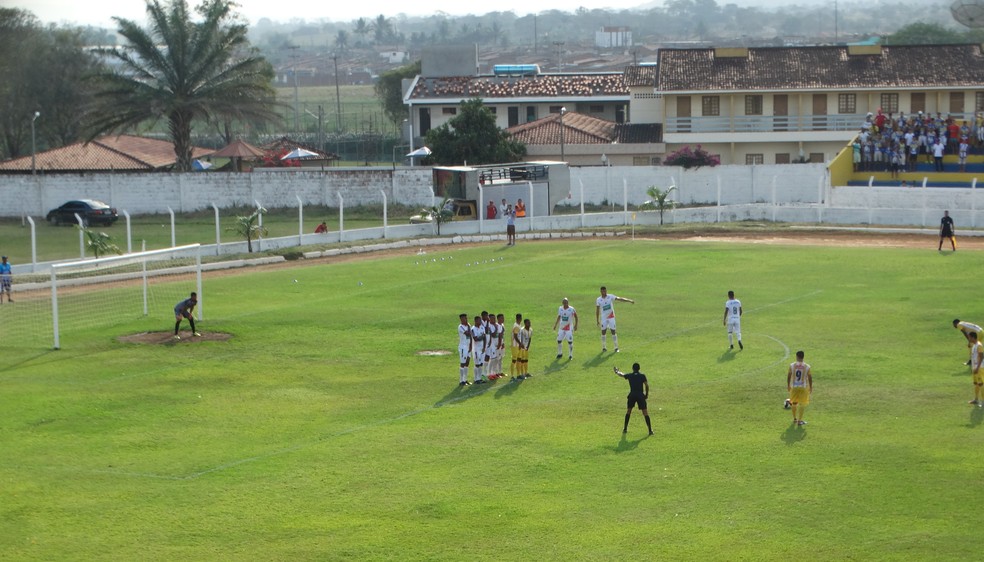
[(585, 139), (773, 105), (123, 153)]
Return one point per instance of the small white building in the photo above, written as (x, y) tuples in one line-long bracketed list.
[(613, 37)]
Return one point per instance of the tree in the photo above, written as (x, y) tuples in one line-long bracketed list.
[(472, 136), (362, 28), (342, 40), (389, 89), (440, 213), (99, 242), (658, 200), (248, 227), (382, 29), (924, 34), (183, 71)]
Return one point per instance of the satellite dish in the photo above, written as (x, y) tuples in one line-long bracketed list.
[(968, 12)]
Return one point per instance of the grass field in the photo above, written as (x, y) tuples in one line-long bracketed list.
[(318, 431), (62, 242)]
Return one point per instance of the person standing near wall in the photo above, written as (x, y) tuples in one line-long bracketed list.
[(946, 231)]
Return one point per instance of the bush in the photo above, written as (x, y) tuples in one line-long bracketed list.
[(691, 158)]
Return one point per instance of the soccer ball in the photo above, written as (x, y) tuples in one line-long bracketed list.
[(787, 404)]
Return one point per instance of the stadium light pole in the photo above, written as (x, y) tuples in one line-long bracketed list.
[(563, 110), (33, 143)]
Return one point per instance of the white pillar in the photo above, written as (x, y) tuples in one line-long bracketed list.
[(218, 238)]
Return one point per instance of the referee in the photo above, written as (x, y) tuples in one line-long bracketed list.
[(638, 393)]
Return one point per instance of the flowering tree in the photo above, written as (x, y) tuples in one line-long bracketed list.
[(691, 158)]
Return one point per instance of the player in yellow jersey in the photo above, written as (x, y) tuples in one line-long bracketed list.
[(967, 328)]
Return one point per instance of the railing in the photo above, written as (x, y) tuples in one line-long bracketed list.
[(771, 123)]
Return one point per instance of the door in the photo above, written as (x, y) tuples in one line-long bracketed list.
[(819, 112), (513, 116), (425, 120), (917, 102), (683, 114), (780, 112)]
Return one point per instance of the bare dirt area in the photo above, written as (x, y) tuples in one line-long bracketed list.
[(167, 338)]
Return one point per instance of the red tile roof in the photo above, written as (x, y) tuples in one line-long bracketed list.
[(836, 67), (584, 129), (110, 153), (640, 75), (540, 86)]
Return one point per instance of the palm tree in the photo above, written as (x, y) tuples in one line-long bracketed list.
[(659, 200), (99, 242), (362, 28), (183, 71), (342, 40), (248, 227)]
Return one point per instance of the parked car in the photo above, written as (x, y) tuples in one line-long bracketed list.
[(463, 209), (91, 211)]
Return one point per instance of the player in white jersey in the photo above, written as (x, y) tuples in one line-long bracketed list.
[(492, 350), (566, 325), (605, 316), (976, 358), (732, 319), (488, 340), (799, 384), (478, 350), (966, 328), (464, 348)]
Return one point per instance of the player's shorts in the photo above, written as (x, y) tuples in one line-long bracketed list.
[(179, 314), (515, 351), (463, 355), (799, 395), (5, 283), (978, 378), (511, 229), (734, 326), (478, 353), (524, 354), (608, 323), (636, 399), (565, 335)]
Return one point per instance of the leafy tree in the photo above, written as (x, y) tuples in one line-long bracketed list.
[(362, 28), (182, 71), (472, 136), (924, 34), (382, 29), (248, 227), (99, 243), (342, 40), (441, 214), (389, 89), (658, 200)]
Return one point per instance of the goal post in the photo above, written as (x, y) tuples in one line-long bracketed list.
[(115, 289)]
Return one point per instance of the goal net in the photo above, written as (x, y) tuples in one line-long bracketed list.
[(138, 290)]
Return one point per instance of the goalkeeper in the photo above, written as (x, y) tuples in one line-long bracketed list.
[(183, 310)]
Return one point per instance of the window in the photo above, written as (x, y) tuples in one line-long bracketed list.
[(754, 159), (978, 101), (956, 102), (847, 103), (555, 109), (817, 157), (596, 109), (530, 113), (917, 102), (449, 110), (782, 158), (710, 105), (890, 103), (753, 105)]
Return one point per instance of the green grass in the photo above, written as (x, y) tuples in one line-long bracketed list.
[(62, 242), (318, 433)]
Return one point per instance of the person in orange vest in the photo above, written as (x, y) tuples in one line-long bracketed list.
[(520, 209)]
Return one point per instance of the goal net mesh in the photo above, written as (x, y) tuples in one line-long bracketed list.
[(113, 296)]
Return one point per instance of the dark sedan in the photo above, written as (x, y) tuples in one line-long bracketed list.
[(91, 211)]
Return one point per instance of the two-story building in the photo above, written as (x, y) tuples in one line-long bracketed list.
[(777, 105)]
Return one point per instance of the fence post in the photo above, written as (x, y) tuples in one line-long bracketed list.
[(218, 239)]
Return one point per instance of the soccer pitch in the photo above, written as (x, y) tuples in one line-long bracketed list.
[(321, 430)]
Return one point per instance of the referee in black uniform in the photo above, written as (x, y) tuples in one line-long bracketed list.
[(638, 393)]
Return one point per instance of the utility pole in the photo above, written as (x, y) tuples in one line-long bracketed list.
[(293, 70), (338, 97)]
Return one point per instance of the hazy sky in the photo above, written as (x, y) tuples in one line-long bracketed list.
[(99, 12)]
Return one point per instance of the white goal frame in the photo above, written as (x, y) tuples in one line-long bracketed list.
[(189, 251)]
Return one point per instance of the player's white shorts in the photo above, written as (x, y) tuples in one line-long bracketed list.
[(478, 353), (734, 325), (608, 323), (463, 355), (565, 335)]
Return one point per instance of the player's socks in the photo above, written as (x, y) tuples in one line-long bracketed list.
[(731, 340), (570, 347), (560, 348), (615, 340), (604, 341), (626, 426), (177, 325), (463, 375), (649, 424)]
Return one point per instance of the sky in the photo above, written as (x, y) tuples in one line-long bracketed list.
[(100, 12)]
